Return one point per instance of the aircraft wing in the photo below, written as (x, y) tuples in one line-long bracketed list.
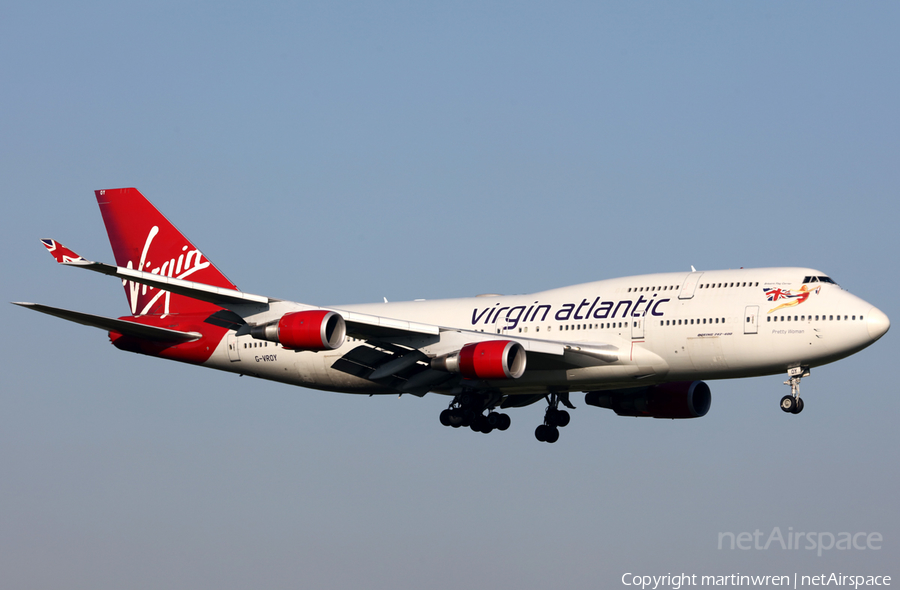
[(370, 326), (123, 327), (364, 326), (237, 301)]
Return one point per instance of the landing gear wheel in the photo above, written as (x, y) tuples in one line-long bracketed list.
[(467, 410), (451, 418), (480, 424), (552, 435), (548, 434), (559, 418), (798, 406), (788, 404)]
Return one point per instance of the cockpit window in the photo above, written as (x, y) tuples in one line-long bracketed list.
[(819, 279)]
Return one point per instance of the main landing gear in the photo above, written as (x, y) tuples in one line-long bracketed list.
[(554, 418), (467, 409), (793, 403)]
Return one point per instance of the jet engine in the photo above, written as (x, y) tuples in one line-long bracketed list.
[(312, 330), (494, 359), (682, 399)]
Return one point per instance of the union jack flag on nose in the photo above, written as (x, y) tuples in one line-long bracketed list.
[(793, 297)]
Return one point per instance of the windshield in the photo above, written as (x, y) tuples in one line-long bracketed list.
[(819, 279)]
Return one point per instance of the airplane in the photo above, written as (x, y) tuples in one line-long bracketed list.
[(641, 345)]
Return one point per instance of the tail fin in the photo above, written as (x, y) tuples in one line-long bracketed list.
[(143, 239)]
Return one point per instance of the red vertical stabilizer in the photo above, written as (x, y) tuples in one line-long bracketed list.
[(143, 239)]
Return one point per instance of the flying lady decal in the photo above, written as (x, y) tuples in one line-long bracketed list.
[(790, 297)]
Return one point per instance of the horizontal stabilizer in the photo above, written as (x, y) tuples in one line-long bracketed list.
[(220, 296), (123, 327)]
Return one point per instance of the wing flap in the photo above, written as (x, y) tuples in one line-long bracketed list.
[(113, 325)]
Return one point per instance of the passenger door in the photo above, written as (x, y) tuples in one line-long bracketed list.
[(751, 319), (232, 345), (637, 326)]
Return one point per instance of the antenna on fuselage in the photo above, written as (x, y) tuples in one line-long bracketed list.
[(693, 269)]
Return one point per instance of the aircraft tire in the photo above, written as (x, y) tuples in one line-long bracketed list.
[(788, 404), (545, 433), (798, 407), (480, 424), (552, 434)]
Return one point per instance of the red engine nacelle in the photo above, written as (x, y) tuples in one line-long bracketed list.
[(683, 399), (305, 330), (494, 359)]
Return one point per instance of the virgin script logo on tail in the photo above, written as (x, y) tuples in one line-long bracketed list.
[(188, 262)]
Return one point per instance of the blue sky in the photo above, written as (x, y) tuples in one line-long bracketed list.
[(343, 152)]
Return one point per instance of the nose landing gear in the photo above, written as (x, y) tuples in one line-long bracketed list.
[(793, 403)]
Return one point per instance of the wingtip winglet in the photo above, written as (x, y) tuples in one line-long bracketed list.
[(62, 254)]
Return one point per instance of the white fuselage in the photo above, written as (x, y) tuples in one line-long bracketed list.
[(655, 328)]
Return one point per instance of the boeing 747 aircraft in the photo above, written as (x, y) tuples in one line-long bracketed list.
[(640, 346)]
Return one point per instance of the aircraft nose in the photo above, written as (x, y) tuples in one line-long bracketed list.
[(878, 323)]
